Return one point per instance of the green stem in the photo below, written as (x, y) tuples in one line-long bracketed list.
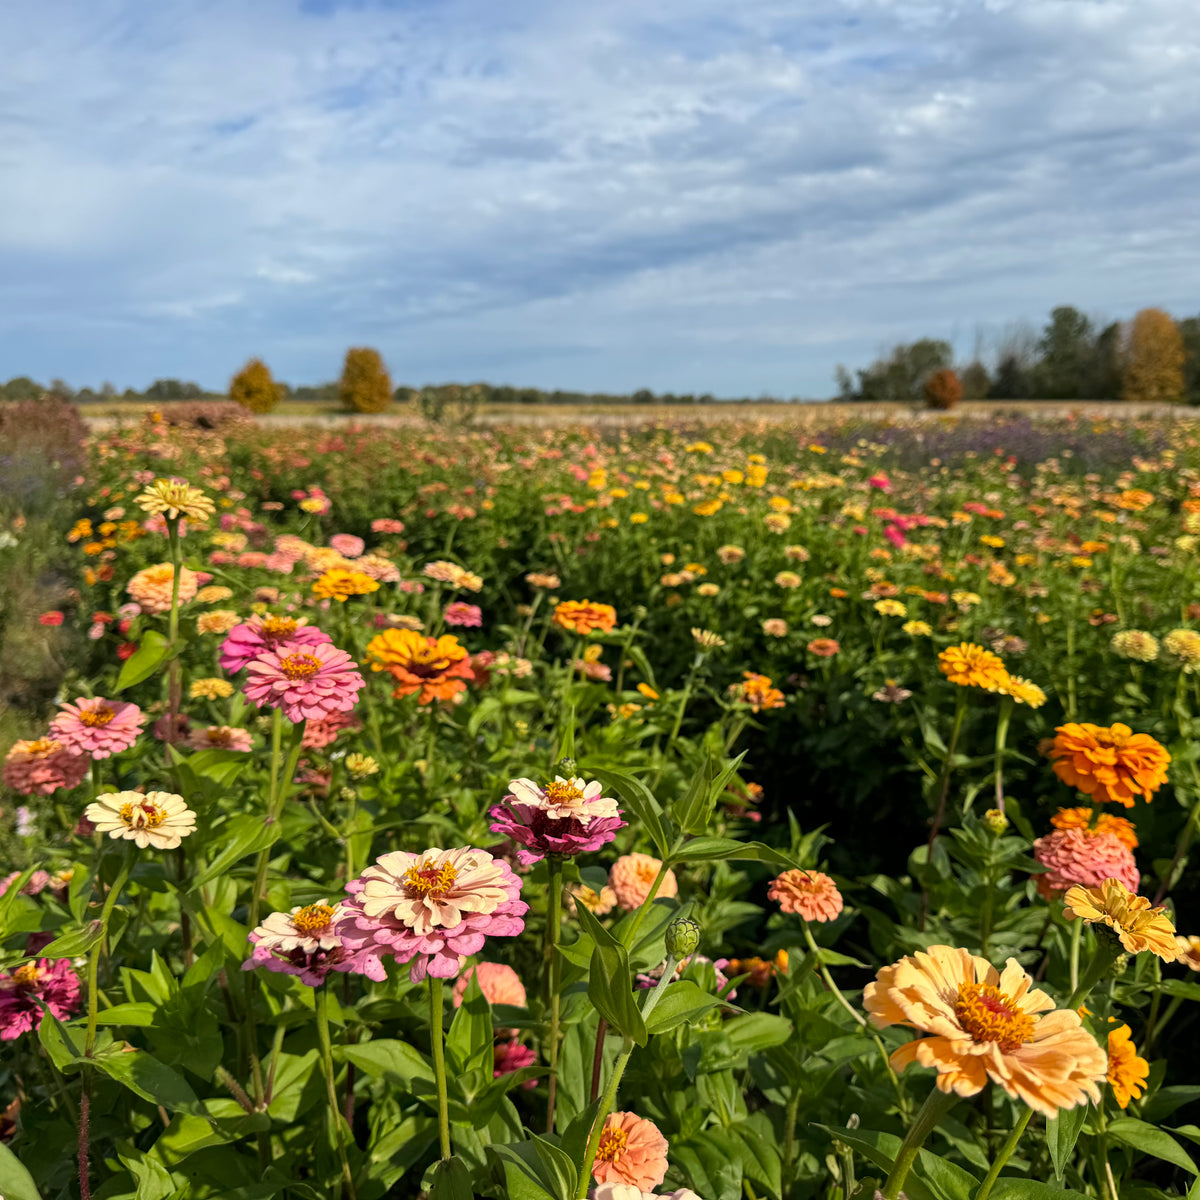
[(1097, 970), (640, 915), (683, 703), (1076, 938), (321, 998), (280, 787), (174, 667), (94, 957), (1001, 1159), (936, 1105), (1002, 720), (960, 712), (437, 1038), (553, 968)]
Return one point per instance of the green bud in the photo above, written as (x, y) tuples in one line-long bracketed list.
[(995, 820), (347, 794), (683, 937), (565, 767), (1120, 965)]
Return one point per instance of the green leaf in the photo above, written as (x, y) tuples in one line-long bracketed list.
[(140, 1014), (524, 1175), (469, 1042), (386, 1056), (879, 1149), (681, 1003), (757, 1031), (75, 943), (451, 1181), (1061, 1135), (640, 801), (947, 1180), (693, 811), (566, 746), (1150, 1140), (144, 1074), (15, 1181), (141, 665), (240, 835), (610, 981), (708, 849), (1010, 1188)]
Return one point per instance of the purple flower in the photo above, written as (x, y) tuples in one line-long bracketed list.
[(567, 816), (53, 982)]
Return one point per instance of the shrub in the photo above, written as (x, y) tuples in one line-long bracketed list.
[(943, 389), (205, 414), (366, 386), (254, 389), (1154, 358)]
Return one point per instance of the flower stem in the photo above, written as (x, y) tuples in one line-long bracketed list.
[(174, 667), (1001, 1159), (1099, 967), (553, 968), (639, 916), (1076, 937), (437, 1038), (321, 997), (936, 1105), (1002, 720), (960, 712), (280, 787)]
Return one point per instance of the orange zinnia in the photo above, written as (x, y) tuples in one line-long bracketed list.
[(969, 665), (1081, 818), (987, 1024), (434, 668), (1109, 763), (582, 616), (1127, 1073), (758, 692)]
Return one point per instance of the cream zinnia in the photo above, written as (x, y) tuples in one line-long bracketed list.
[(158, 819)]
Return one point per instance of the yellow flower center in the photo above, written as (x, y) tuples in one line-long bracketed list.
[(278, 628), (989, 1015), (43, 746), (1109, 739), (97, 716), (562, 793), (299, 666), (428, 879), (612, 1145), (142, 816), (313, 919), (27, 975)]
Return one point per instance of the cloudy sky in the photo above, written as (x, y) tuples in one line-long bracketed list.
[(687, 195)]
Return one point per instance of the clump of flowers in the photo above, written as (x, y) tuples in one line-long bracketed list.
[(1136, 644), (584, 617), (158, 819), (632, 1151), (1182, 648), (1127, 1073), (986, 1024), (431, 668), (41, 766), (433, 909), (261, 634), (1082, 856), (1137, 925), (632, 876), (340, 584), (566, 816), (970, 665), (1109, 763), (305, 942), (811, 894), (306, 681), (151, 587), (23, 992)]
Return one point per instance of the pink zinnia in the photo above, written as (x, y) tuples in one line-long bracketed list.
[(461, 613), (631, 1150), (811, 894), (433, 909), (633, 875), (322, 733), (306, 680), (347, 545), (51, 982), (499, 984), (250, 639), (305, 942), (42, 766), (512, 1056), (97, 727), (387, 525), (567, 816), (220, 737), (1083, 857)]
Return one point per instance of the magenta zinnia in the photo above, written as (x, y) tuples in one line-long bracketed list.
[(567, 816), (51, 982), (97, 727), (432, 909), (307, 681)]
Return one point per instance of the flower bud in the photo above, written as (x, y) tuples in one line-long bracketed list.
[(995, 820), (682, 937), (565, 767)]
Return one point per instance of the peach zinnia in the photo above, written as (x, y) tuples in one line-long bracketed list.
[(1130, 917), (987, 1024), (42, 766), (631, 1151), (97, 727), (632, 877), (1082, 856), (969, 665), (432, 668), (1109, 763), (811, 894), (151, 588), (582, 616), (158, 819)]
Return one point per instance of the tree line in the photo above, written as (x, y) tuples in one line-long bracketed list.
[(1151, 359)]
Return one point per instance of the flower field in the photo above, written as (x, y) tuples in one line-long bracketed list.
[(764, 811)]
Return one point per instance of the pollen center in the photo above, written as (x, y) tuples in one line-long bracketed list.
[(313, 919), (612, 1145), (97, 716), (562, 793), (142, 816), (299, 666), (429, 879), (278, 628), (989, 1015), (27, 975)]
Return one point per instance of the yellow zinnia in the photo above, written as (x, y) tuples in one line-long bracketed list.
[(969, 665), (1130, 917)]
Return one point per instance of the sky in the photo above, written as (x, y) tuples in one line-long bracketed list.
[(595, 195)]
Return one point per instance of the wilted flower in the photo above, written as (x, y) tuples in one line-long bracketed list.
[(705, 639), (158, 819)]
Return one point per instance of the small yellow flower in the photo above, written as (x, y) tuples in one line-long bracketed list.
[(707, 508), (210, 689), (1130, 917), (917, 628), (708, 589), (340, 584), (213, 595), (647, 691), (638, 518), (361, 765), (220, 620), (891, 608), (1022, 691), (312, 504), (175, 499)]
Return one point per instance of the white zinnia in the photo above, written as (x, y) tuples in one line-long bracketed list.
[(158, 819), (565, 798)]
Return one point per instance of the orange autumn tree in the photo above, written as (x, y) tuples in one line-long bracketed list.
[(365, 385), (943, 389), (1154, 359), (254, 388)]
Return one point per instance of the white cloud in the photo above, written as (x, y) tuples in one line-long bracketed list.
[(708, 198)]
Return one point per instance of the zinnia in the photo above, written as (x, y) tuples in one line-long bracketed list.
[(432, 668), (1127, 1073), (567, 816), (584, 617), (811, 894), (158, 819), (23, 992), (220, 737), (432, 909), (756, 690), (339, 584), (1083, 818), (986, 1024), (460, 613), (1138, 926), (632, 1151), (969, 665), (97, 727), (1109, 763), (632, 877), (305, 942), (499, 984), (42, 766), (174, 499), (1082, 856), (306, 681), (259, 634), (151, 588), (1182, 648)]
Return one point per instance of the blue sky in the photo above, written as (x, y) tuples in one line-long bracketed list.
[(688, 195)]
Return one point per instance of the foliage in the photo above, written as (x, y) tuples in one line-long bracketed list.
[(254, 388), (901, 375), (943, 389), (365, 385), (1153, 359)]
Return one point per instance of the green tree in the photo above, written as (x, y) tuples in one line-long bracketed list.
[(1102, 372), (1065, 350), (254, 388), (365, 386), (22, 388), (1154, 359), (900, 377), (976, 382), (1189, 331)]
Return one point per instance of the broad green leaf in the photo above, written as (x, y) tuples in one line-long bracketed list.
[(1150, 1140), (757, 1031), (469, 1042), (75, 943), (522, 1172), (610, 981), (639, 800), (150, 654), (709, 849), (680, 1003), (15, 1181), (239, 836), (386, 1056), (144, 1074), (946, 1180), (128, 1014), (451, 1181), (1061, 1135), (1010, 1188)]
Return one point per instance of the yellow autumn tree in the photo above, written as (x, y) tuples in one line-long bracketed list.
[(365, 386), (1154, 358), (254, 388)]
